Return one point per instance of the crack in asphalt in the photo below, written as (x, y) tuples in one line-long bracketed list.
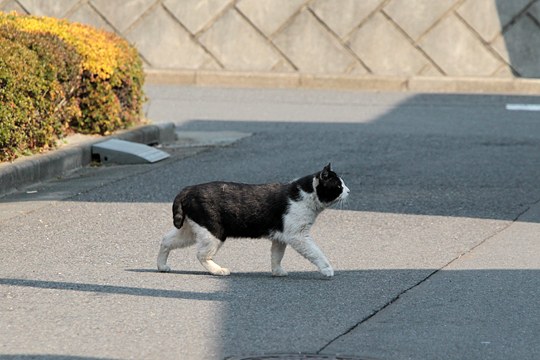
[(398, 296), (367, 318)]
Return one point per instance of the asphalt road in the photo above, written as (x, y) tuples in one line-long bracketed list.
[(437, 253)]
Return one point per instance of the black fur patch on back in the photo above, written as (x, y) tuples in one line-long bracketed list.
[(229, 209)]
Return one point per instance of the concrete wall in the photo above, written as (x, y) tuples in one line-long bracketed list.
[(434, 38)]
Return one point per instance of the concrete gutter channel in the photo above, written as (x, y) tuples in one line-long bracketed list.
[(38, 168)]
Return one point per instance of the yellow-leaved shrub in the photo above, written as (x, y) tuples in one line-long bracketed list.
[(58, 77)]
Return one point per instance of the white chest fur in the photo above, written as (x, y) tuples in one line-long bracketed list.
[(299, 218)]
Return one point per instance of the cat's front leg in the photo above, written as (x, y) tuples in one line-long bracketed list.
[(308, 249), (278, 250)]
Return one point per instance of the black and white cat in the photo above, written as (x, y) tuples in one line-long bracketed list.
[(207, 214)]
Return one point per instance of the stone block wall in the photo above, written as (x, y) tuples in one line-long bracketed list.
[(440, 38)]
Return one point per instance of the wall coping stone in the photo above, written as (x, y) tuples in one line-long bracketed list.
[(480, 85)]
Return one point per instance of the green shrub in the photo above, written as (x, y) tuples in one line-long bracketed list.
[(38, 75), (58, 77)]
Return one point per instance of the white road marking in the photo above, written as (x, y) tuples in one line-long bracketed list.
[(523, 107)]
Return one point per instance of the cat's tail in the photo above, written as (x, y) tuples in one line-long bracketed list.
[(178, 214)]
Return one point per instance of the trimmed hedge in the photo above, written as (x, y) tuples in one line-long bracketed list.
[(58, 77)]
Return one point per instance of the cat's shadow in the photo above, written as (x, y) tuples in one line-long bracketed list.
[(293, 276), (172, 272)]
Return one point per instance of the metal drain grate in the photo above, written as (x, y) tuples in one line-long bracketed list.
[(296, 356)]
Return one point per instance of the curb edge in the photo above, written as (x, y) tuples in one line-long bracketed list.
[(41, 167)]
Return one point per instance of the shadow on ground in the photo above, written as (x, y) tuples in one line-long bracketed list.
[(428, 156), (260, 308)]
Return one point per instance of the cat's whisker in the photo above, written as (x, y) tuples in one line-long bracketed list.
[(342, 203)]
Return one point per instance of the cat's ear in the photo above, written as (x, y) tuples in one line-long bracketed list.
[(326, 172)]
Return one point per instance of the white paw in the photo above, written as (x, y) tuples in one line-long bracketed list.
[(279, 272), (222, 272), (328, 272), (164, 268)]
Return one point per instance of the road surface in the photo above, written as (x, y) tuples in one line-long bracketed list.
[(437, 252)]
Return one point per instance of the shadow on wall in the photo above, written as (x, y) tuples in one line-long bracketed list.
[(521, 34), (451, 37)]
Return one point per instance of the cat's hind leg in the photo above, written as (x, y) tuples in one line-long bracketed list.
[(174, 239), (207, 246), (277, 252)]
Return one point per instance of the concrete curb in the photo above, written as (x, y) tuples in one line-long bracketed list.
[(350, 82), (38, 168)]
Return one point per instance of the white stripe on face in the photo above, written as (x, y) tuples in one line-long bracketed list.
[(345, 191)]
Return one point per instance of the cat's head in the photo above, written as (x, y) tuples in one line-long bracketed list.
[(329, 187)]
